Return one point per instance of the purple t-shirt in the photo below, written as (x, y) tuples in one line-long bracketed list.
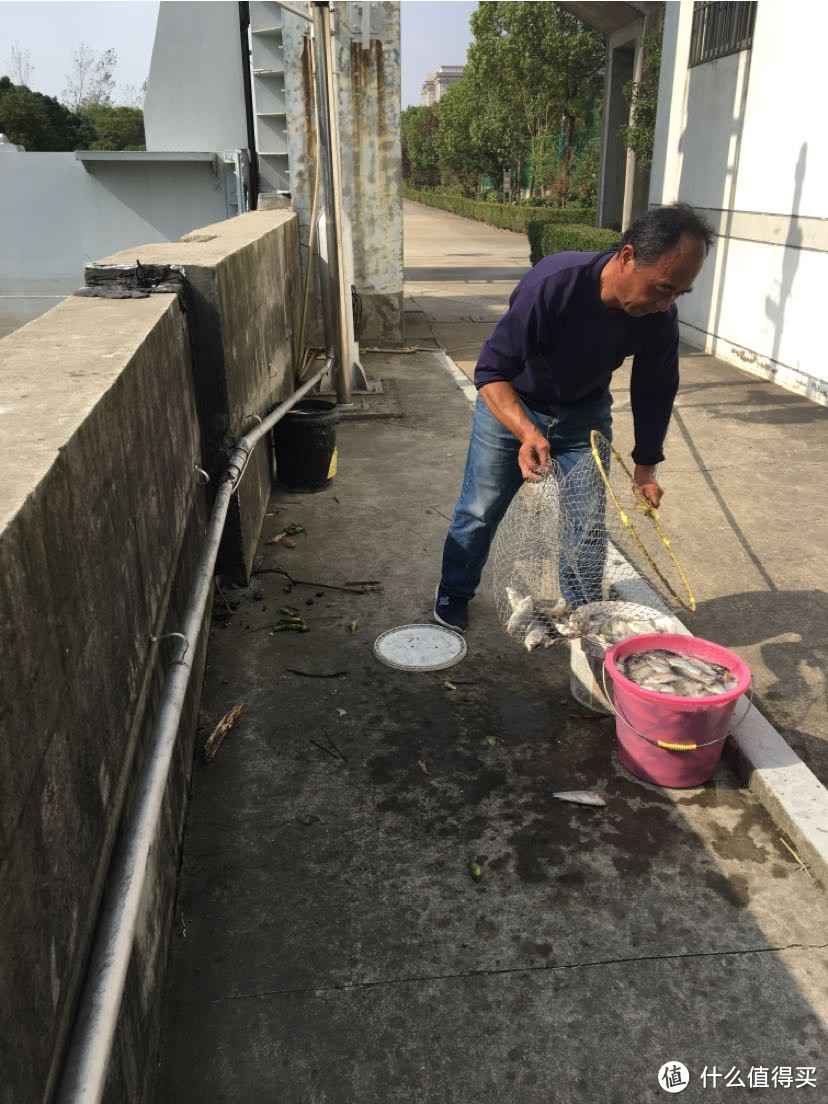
[(557, 345)]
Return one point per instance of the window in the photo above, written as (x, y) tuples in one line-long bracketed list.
[(720, 29)]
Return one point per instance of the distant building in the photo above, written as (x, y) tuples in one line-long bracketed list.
[(436, 83)]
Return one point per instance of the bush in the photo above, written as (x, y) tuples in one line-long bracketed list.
[(550, 237), (507, 216)]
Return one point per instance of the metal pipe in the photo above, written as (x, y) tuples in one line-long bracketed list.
[(350, 361), (87, 1060), (241, 203), (321, 49), (294, 11)]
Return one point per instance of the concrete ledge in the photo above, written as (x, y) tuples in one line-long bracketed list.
[(789, 790), (243, 275), (792, 794)]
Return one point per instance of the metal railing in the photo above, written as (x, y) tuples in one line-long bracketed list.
[(720, 29)]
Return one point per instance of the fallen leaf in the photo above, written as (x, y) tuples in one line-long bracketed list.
[(288, 543), (449, 686), (475, 870), (342, 712), (423, 766), (491, 741), (353, 626)]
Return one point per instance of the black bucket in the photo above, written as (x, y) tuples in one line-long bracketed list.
[(305, 445)]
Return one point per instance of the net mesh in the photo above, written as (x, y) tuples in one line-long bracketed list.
[(579, 538)]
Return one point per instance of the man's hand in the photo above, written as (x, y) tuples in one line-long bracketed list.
[(533, 457), (645, 480)]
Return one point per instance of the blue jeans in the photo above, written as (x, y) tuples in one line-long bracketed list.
[(492, 479)]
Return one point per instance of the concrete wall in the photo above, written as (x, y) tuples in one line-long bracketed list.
[(244, 277), (98, 516), (195, 90), (102, 422), (368, 88), (754, 161), (57, 216)]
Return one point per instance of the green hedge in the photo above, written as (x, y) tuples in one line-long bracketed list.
[(546, 238), (507, 216)]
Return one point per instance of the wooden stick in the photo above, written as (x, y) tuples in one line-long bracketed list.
[(214, 740), (785, 843)]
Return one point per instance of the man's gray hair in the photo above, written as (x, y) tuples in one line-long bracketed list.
[(660, 230)]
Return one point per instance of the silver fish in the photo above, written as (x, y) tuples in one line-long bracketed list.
[(692, 668), (535, 635), (514, 598), (569, 626), (687, 688), (552, 610), (661, 678), (671, 673), (580, 797), (521, 616)]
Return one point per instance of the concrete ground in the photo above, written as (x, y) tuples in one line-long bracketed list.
[(332, 947)]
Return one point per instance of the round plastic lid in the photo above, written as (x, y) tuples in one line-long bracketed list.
[(420, 648)]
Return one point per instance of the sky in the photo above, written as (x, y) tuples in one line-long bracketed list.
[(434, 33), (51, 31)]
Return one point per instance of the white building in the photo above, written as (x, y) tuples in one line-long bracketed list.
[(741, 135), (437, 83)]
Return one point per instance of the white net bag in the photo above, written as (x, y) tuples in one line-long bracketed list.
[(568, 561)]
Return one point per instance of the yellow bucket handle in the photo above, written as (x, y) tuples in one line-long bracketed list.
[(675, 747)]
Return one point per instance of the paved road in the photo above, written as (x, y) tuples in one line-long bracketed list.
[(332, 947), (458, 278)]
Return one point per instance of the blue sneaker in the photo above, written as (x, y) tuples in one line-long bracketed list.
[(451, 611)]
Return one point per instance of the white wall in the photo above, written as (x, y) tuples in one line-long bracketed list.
[(753, 157), (57, 217), (195, 89)]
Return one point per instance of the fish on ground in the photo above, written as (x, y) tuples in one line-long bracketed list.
[(580, 797)]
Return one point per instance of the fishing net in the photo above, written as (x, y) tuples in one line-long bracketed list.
[(584, 537)]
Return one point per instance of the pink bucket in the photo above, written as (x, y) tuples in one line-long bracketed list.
[(672, 741)]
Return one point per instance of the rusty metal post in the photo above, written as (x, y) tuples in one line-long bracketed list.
[(324, 107)]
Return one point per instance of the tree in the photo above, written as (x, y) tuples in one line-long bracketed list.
[(36, 122), (468, 138), (537, 71), (91, 80), (42, 124), (19, 66), (419, 127), (134, 97), (115, 128), (642, 97)]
